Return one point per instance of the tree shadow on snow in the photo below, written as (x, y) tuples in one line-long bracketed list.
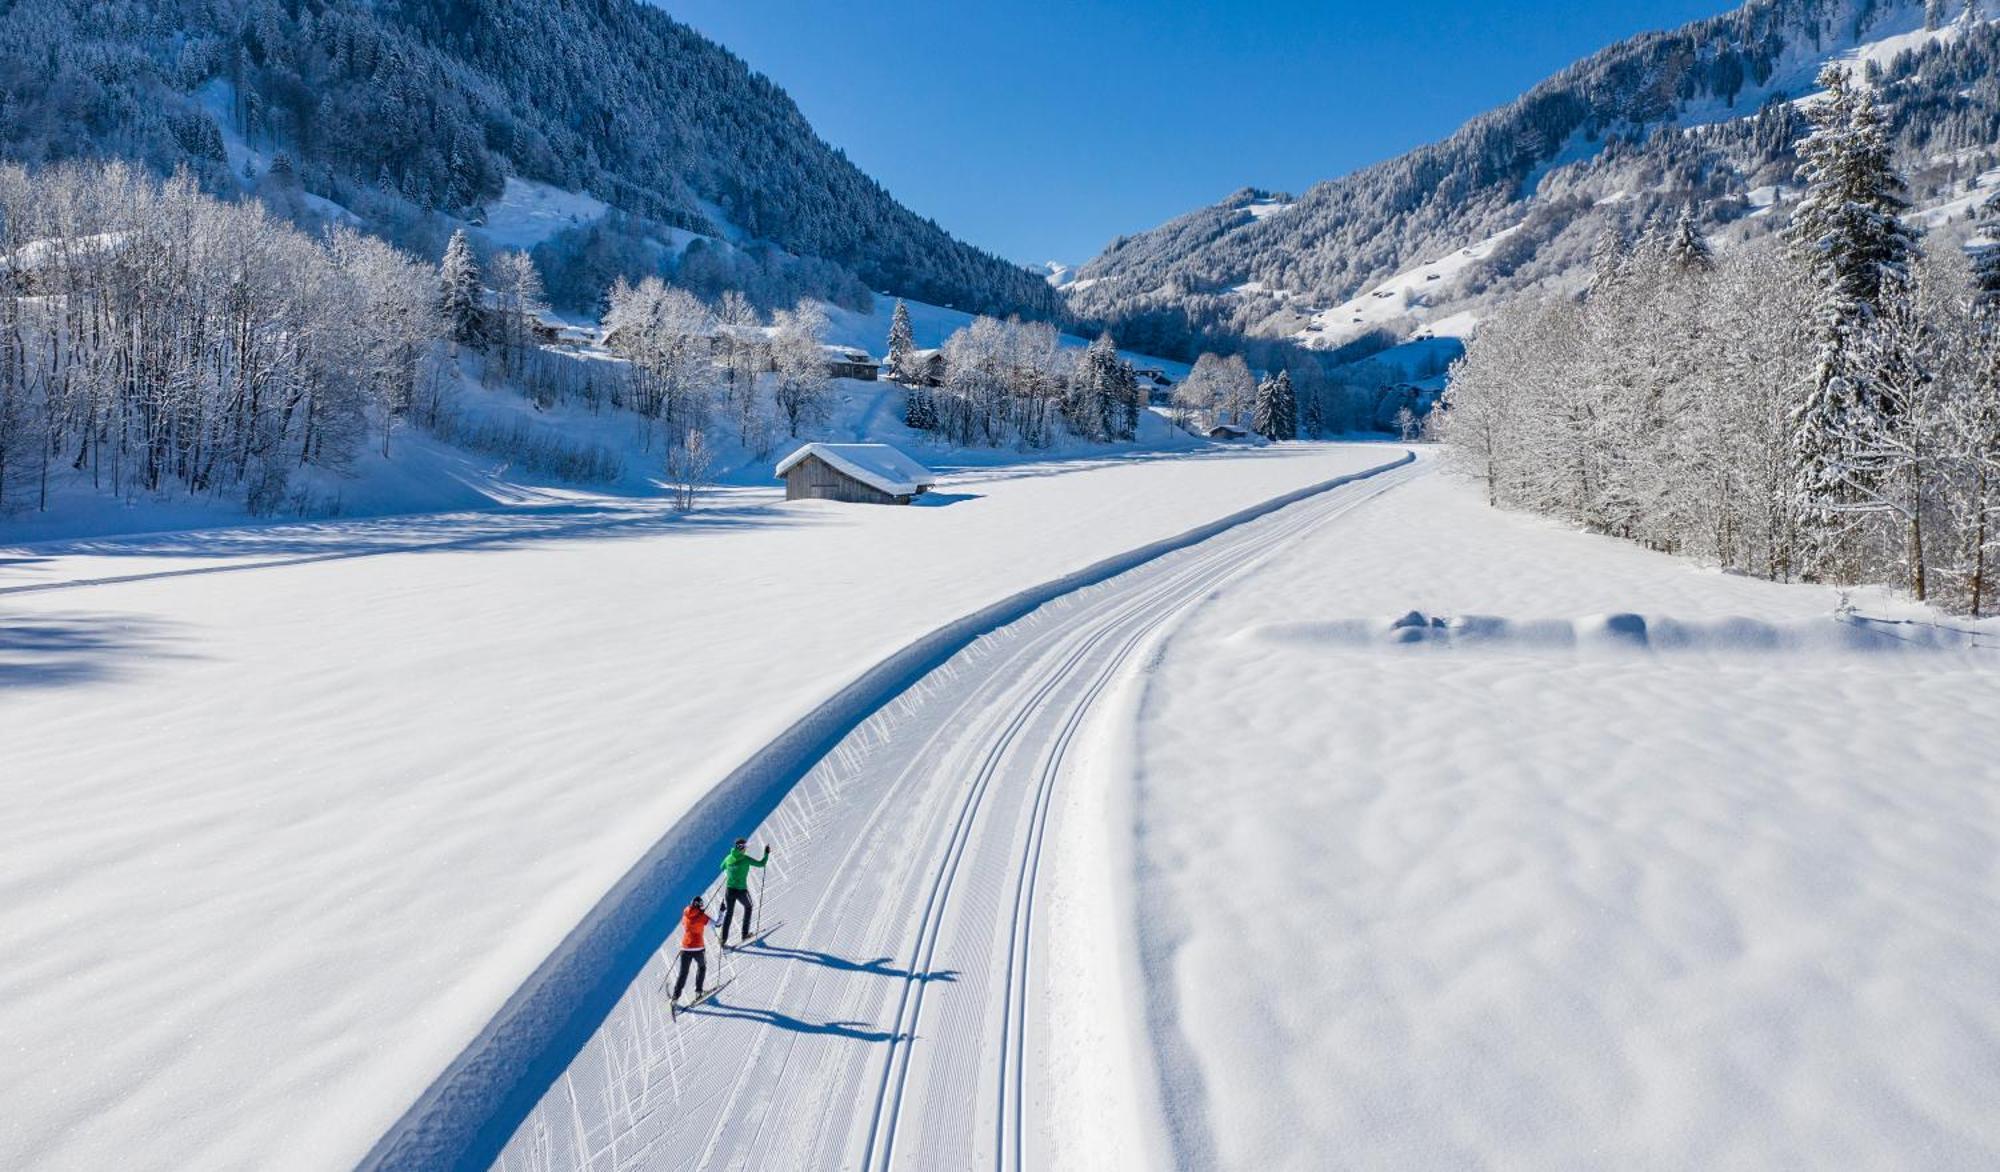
[(69, 649), (503, 529)]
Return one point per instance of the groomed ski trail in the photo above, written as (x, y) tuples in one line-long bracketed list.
[(885, 1025)]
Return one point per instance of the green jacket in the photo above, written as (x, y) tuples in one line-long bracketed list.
[(736, 868)]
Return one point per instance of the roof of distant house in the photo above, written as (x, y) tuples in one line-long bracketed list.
[(879, 466)]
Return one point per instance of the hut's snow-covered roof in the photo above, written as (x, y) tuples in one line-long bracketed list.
[(879, 466)]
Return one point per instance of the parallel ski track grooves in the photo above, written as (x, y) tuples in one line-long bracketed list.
[(1031, 693), (1169, 595)]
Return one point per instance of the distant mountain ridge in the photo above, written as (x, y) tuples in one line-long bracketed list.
[(433, 104), (1700, 115)]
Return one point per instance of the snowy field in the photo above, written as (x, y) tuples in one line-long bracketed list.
[(297, 808), (1604, 861), (1709, 885)]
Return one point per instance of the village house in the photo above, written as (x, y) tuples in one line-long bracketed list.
[(848, 362), (928, 366), (869, 474)]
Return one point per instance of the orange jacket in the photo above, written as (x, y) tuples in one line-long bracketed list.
[(691, 925)]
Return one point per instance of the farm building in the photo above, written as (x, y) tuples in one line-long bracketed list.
[(869, 474), (926, 369), (1228, 431), (847, 362)]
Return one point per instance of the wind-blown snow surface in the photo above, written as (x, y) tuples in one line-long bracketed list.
[(281, 839), (1648, 867)]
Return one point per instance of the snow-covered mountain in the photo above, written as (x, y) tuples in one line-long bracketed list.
[(410, 114), (1702, 115)]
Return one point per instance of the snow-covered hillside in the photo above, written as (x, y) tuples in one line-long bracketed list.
[(1704, 116), (1411, 302)]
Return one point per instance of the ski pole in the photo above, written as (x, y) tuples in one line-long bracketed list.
[(763, 873)]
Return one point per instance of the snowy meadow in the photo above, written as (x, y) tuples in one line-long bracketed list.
[(1469, 841)]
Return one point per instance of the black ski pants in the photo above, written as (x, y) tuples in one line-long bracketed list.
[(696, 959), (730, 899)]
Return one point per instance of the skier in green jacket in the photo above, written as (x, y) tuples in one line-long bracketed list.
[(736, 886)]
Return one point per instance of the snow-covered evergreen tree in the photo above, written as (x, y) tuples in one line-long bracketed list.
[(902, 346), (459, 293), (1276, 413), (1848, 227), (1092, 405), (1849, 231), (1284, 408), (1968, 18), (1687, 249)]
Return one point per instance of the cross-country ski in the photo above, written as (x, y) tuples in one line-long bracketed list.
[(677, 1007), (578, 594), (752, 940)]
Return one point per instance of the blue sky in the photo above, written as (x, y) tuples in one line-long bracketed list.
[(1042, 130)]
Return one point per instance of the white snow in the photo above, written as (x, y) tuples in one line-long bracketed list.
[(529, 212), (1895, 27), (1765, 198), (1957, 207), (35, 254), (1264, 209), (1435, 837), (1595, 859), (879, 466), (294, 816), (1402, 297)]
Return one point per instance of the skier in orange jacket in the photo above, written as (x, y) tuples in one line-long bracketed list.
[(694, 951)]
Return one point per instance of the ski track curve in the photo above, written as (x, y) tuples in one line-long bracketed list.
[(884, 1024)]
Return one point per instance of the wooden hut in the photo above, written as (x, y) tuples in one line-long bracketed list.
[(869, 474), (847, 362)]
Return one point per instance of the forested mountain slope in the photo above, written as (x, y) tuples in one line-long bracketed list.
[(1702, 115), (397, 109)]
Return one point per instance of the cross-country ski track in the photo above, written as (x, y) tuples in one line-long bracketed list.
[(889, 1022)]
